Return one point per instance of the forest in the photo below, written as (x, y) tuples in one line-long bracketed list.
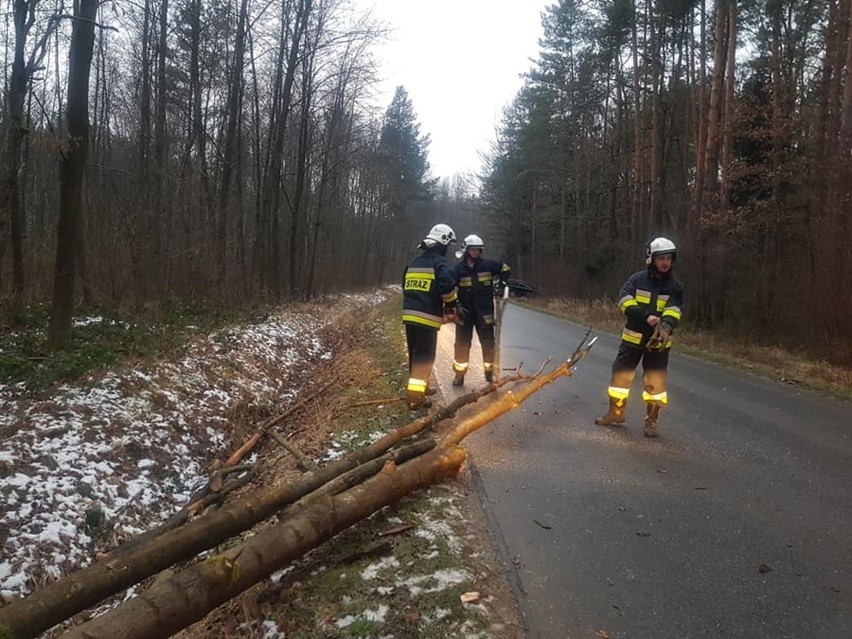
[(230, 152)]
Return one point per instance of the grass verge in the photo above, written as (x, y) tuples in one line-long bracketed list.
[(399, 573), (99, 340)]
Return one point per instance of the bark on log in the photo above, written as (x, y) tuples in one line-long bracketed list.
[(131, 563), (514, 399), (188, 596), (303, 462), (366, 470)]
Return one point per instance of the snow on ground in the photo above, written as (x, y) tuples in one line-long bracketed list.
[(122, 451)]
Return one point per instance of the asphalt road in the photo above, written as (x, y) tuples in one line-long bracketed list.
[(736, 522)]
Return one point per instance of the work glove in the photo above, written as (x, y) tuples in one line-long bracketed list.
[(450, 313), (659, 337), (462, 313)]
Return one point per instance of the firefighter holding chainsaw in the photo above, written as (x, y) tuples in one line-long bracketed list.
[(429, 298), (477, 277), (652, 302)]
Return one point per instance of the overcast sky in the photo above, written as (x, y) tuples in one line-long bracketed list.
[(460, 61)]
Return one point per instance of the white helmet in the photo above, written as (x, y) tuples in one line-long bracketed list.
[(471, 241), (439, 234), (660, 246)]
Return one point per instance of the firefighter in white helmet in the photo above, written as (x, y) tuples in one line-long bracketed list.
[(652, 303), (429, 294), (477, 277)]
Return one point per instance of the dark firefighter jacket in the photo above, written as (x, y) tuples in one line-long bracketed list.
[(427, 285), (476, 285), (649, 293)]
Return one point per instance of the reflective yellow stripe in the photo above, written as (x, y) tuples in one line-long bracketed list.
[(488, 366), (627, 304), (661, 304), (488, 320), (425, 320), (672, 311), (460, 367), (484, 277), (631, 336), (505, 268), (662, 398), (617, 392), (417, 385), (465, 281), (643, 296), (450, 297)]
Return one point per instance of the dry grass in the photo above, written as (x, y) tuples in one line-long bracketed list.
[(769, 361)]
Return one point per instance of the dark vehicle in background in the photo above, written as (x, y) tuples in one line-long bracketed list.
[(520, 288)]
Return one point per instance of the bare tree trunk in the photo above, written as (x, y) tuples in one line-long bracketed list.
[(271, 182), (714, 118), (144, 259), (177, 601), (230, 155), (777, 115), (846, 104), (616, 146), (72, 173), (831, 34), (146, 555), (836, 56), (635, 223), (730, 115), (296, 207), (657, 34), (158, 215), (174, 602), (701, 120), (11, 193)]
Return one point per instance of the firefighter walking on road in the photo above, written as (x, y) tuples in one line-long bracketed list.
[(652, 302), (476, 277), (429, 295)]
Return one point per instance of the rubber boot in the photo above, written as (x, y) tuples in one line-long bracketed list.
[(458, 380), (653, 412), (417, 400), (615, 415)]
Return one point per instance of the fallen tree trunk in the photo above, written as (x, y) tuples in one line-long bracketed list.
[(147, 555), (129, 565), (513, 399), (184, 598)]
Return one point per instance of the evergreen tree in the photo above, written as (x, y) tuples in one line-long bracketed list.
[(403, 156)]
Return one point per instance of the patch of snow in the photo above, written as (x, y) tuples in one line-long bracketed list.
[(262, 629), (372, 571), (438, 580), (376, 615), (87, 321), (437, 615), (115, 455)]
